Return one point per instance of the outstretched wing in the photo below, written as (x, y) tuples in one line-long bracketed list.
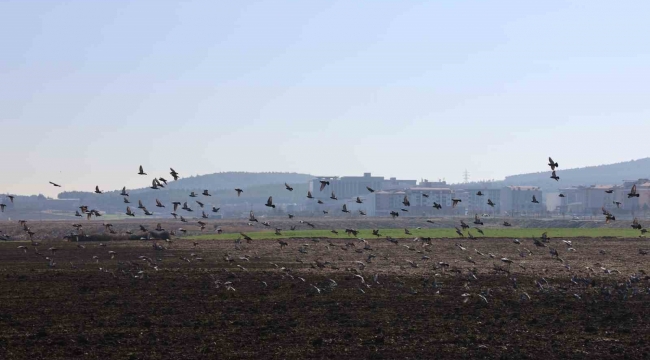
[(141, 170), (270, 201), (322, 186)]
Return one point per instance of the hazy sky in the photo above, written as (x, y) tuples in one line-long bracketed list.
[(89, 90)]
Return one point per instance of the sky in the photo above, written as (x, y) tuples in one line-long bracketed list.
[(90, 90)]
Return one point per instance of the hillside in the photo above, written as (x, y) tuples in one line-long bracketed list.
[(610, 174), (231, 180)]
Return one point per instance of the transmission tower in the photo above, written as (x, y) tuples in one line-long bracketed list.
[(466, 176)]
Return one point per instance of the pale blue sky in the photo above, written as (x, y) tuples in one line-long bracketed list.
[(414, 89)]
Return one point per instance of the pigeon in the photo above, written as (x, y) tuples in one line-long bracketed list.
[(54, 184), (323, 183), (288, 187), (552, 164), (173, 173), (239, 191), (141, 172), (269, 202)]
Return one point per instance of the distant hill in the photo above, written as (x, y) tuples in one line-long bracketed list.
[(257, 188), (610, 174), (231, 180)]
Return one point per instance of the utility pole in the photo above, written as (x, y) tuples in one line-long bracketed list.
[(466, 176)]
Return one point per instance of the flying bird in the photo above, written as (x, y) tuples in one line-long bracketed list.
[(437, 206), (479, 193), (129, 212), (215, 209), (159, 204), (359, 200), (552, 164), (609, 191), (333, 197), (309, 195), (490, 203), (124, 193), (57, 185), (554, 176), (345, 209), (141, 172), (193, 194), (535, 200), (370, 189), (97, 191), (173, 173), (455, 202), (288, 187), (239, 191), (323, 183), (617, 203), (269, 202), (206, 193), (633, 192), (406, 201)]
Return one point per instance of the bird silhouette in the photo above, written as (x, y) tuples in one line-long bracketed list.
[(633, 192), (97, 191), (200, 203), (57, 185), (437, 206), (173, 173), (370, 189), (124, 193), (406, 201), (269, 202), (394, 214), (288, 187), (206, 193), (609, 191), (552, 164), (129, 212), (193, 194), (535, 200), (455, 202), (359, 200), (345, 209), (309, 195), (617, 203), (215, 209), (479, 193), (490, 203), (141, 172), (159, 204), (239, 191), (323, 183), (554, 176)]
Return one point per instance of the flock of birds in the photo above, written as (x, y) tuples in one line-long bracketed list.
[(422, 246)]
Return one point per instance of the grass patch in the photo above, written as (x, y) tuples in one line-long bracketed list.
[(434, 233)]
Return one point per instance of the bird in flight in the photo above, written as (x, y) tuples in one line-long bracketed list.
[(617, 203), (193, 194), (406, 201), (554, 176), (490, 203), (57, 185), (124, 193), (437, 206), (159, 204), (455, 202), (479, 193), (370, 189), (359, 200), (2, 207), (97, 191), (174, 174), (11, 198), (345, 209), (200, 203), (288, 187), (309, 195), (206, 193), (140, 205), (394, 214), (215, 209), (609, 191), (425, 195), (269, 202), (633, 192), (561, 195), (323, 183), (239, 191), (129, 212), (552, 164), (333, 197), (535, 200), (141, 172)]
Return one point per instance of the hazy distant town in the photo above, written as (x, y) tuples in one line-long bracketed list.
[(575, 197)]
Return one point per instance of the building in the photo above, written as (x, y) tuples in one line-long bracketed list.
[(352, 186), (517, 201)]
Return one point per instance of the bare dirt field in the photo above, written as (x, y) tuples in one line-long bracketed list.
[(324, 298)]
